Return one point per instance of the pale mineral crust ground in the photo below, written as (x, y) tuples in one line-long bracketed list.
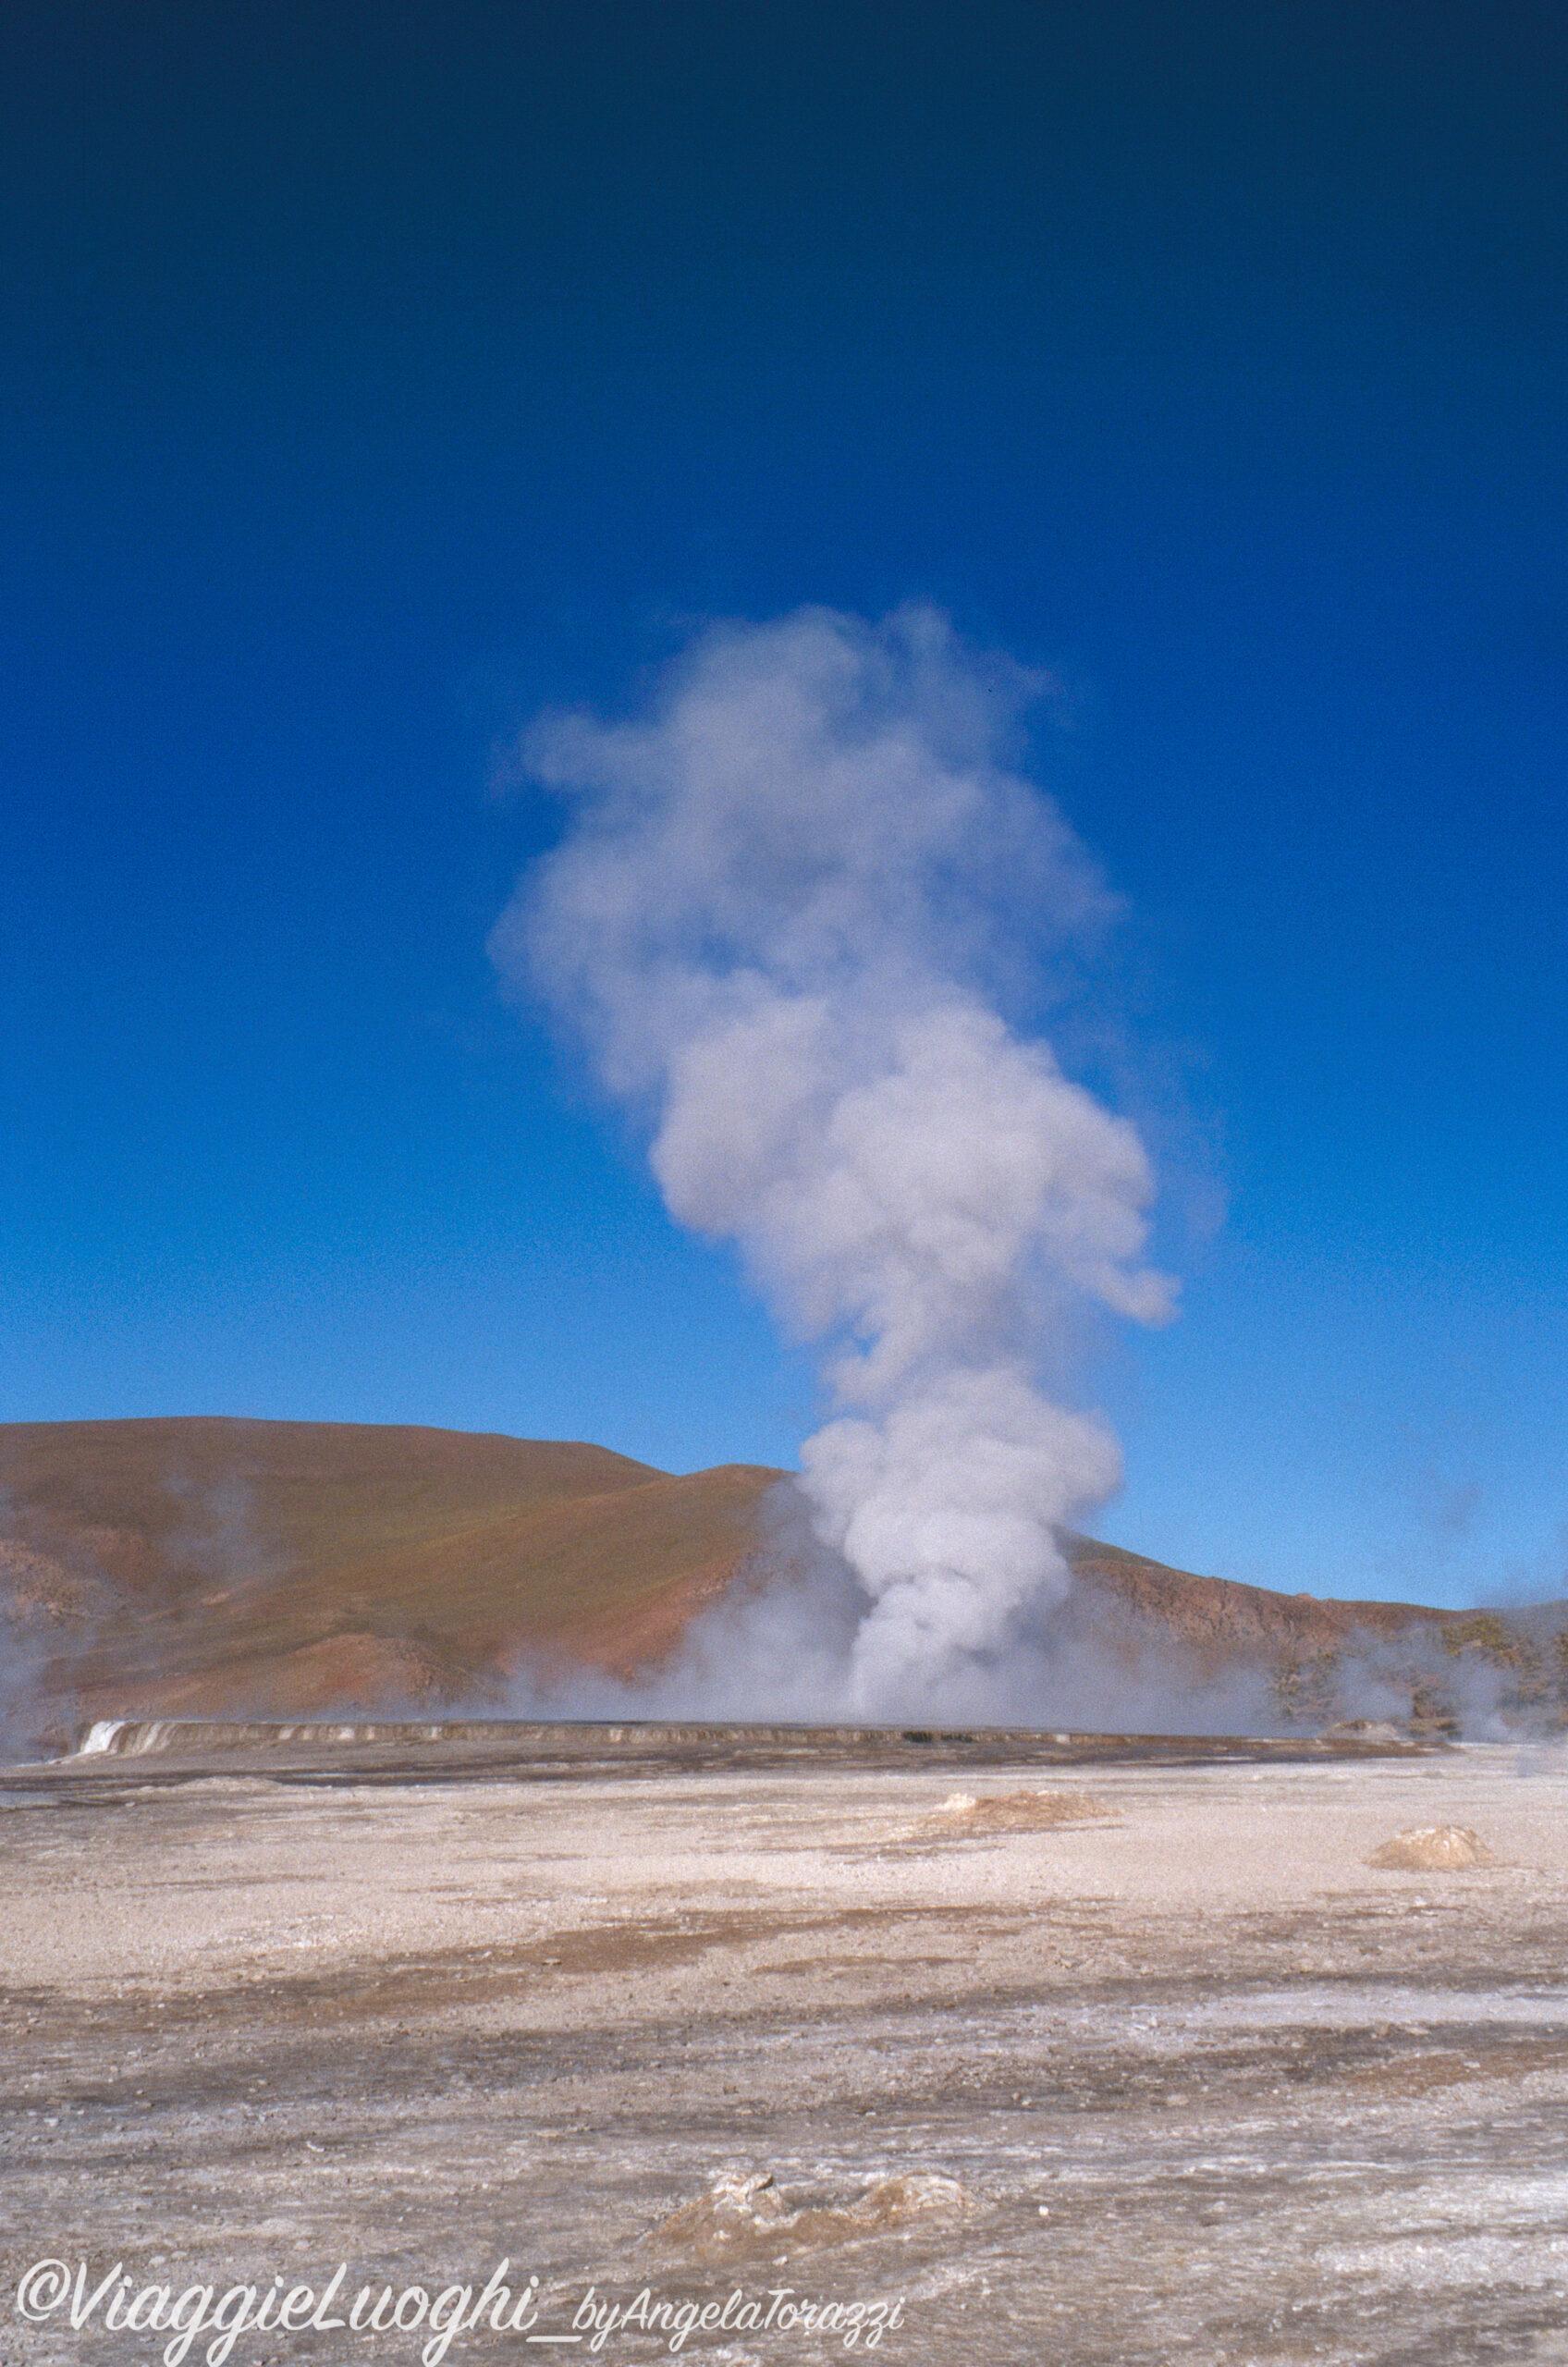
[(1215, 2089)]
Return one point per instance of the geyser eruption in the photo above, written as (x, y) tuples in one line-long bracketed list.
[(794, 903)]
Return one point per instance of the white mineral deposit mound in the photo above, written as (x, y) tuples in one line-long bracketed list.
[(1433, 1849), (744, 2208), (961, 1812)]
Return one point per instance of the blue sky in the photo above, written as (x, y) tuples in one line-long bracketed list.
[(376, 377)]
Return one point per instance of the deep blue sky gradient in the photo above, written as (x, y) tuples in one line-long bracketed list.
[(378, 375)]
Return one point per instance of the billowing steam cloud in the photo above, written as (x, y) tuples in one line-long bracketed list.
[(790, 909)]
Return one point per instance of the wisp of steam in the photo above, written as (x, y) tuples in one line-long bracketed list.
[(798, 904)]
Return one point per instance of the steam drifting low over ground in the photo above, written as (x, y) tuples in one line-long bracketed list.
[(378, 1568)]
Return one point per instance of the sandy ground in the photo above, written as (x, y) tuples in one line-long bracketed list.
[(1211, 2088)]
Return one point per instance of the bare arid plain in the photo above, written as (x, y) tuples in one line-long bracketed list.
[(1129, 2056)]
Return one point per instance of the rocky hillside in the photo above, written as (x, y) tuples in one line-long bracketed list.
[(291, 1568), (1324, 1658), (296, 1567)]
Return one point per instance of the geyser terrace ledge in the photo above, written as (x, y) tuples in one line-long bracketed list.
[(541, 1748)]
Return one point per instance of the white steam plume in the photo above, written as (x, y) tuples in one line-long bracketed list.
[(792, 903)]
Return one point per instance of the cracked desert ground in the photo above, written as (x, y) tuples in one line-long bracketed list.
[(1212, 2088)]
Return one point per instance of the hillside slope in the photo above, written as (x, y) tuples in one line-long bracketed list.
[(288, 1567), (1323, 1657), (226, 1567)]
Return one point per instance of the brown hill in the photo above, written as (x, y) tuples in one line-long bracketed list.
[(1221, 1619), (1325, 1656), (226, 1567), (220, 1566)]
